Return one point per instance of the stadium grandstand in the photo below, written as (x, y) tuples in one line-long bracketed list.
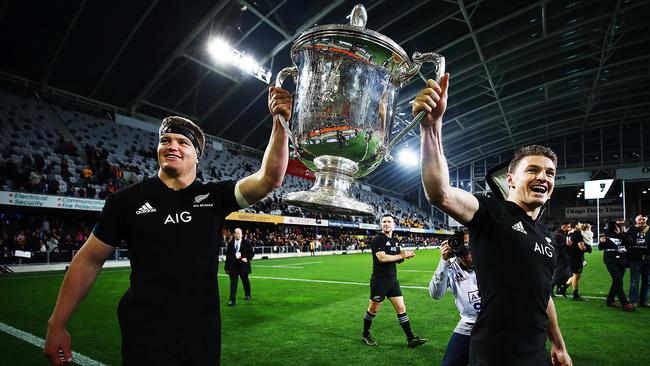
[(85, 85)]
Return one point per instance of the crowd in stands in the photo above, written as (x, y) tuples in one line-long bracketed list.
[(46, 239), (288, 238), (53, 238), (406, 214), (54, 151)]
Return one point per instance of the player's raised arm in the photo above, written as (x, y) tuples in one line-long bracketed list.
[(456, 202)]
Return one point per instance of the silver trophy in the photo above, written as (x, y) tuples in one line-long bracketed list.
[(347, 79)]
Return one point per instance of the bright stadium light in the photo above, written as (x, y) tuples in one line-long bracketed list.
[(220, 50), (248, 64), (223, 53), (408, 157)]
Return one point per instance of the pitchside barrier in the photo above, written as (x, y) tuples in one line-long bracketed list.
[(57, 261)]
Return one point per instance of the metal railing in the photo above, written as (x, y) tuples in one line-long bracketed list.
[(65, 256), (53, 257)]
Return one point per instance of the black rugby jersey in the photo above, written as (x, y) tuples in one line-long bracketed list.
[(514, 258), (382, 243), (172, 237), (639, 247), (614, 247)]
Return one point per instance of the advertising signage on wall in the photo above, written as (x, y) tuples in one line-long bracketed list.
[(45, 201), (587, 212), (87, 204)]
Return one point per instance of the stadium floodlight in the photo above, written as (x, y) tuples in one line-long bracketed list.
[(408, 157), (223, 54), (220, 50), (248, 64)]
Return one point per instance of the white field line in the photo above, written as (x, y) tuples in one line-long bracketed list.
[(77, 358), (417, 270), (361, 283), (322, 281), (287, 266), (303, 263)]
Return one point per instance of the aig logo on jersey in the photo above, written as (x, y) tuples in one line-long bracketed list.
[(391, 248), (200, 198), (475, 299), (543, 250), (178, 218)]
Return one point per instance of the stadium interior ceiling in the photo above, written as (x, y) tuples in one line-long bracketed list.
[(572, 75)]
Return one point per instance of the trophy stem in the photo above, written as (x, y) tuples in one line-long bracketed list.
[(331, 190)]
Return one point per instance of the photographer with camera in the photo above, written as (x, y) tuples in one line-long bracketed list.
[(456, 272), (614, 243), (512, 251)]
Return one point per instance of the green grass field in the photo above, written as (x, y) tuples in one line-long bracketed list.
[(309, 311)]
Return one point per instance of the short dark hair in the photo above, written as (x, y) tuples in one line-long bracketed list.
[(531, 150), (388, 215), (182, 122)]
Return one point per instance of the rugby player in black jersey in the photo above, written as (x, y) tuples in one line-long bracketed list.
[(517, 312), (170, 313), (386, 253)]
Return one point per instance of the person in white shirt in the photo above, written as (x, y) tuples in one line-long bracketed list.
[(455, 271)]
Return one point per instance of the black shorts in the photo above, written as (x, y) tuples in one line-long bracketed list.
[(489, 355), (576, 265), (383, 287), (200, 348)]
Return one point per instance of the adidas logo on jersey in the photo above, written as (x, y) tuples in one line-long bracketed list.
[(519, 227), (146, 208)]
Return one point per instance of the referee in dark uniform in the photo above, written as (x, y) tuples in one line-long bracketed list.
[(513, 253), (386, 253), (170, 313)]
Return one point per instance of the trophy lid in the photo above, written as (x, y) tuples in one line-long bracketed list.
[(355, 31)]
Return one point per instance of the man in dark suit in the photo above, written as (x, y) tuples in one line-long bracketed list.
[(239, 254)]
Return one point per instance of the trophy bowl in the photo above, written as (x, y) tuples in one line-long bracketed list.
[(347, 81)]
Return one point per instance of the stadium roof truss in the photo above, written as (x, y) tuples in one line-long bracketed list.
[(521, 71)]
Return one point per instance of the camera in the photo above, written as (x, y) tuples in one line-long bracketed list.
[(457, 243)]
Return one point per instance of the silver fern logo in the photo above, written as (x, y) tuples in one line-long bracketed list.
[(201, 197)]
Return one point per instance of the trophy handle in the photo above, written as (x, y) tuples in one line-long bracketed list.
[(279, 79), (287, 71), (418, 60), (416, 121)]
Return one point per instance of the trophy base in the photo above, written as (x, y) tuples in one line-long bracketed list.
[(331, 190), (329, 203)]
